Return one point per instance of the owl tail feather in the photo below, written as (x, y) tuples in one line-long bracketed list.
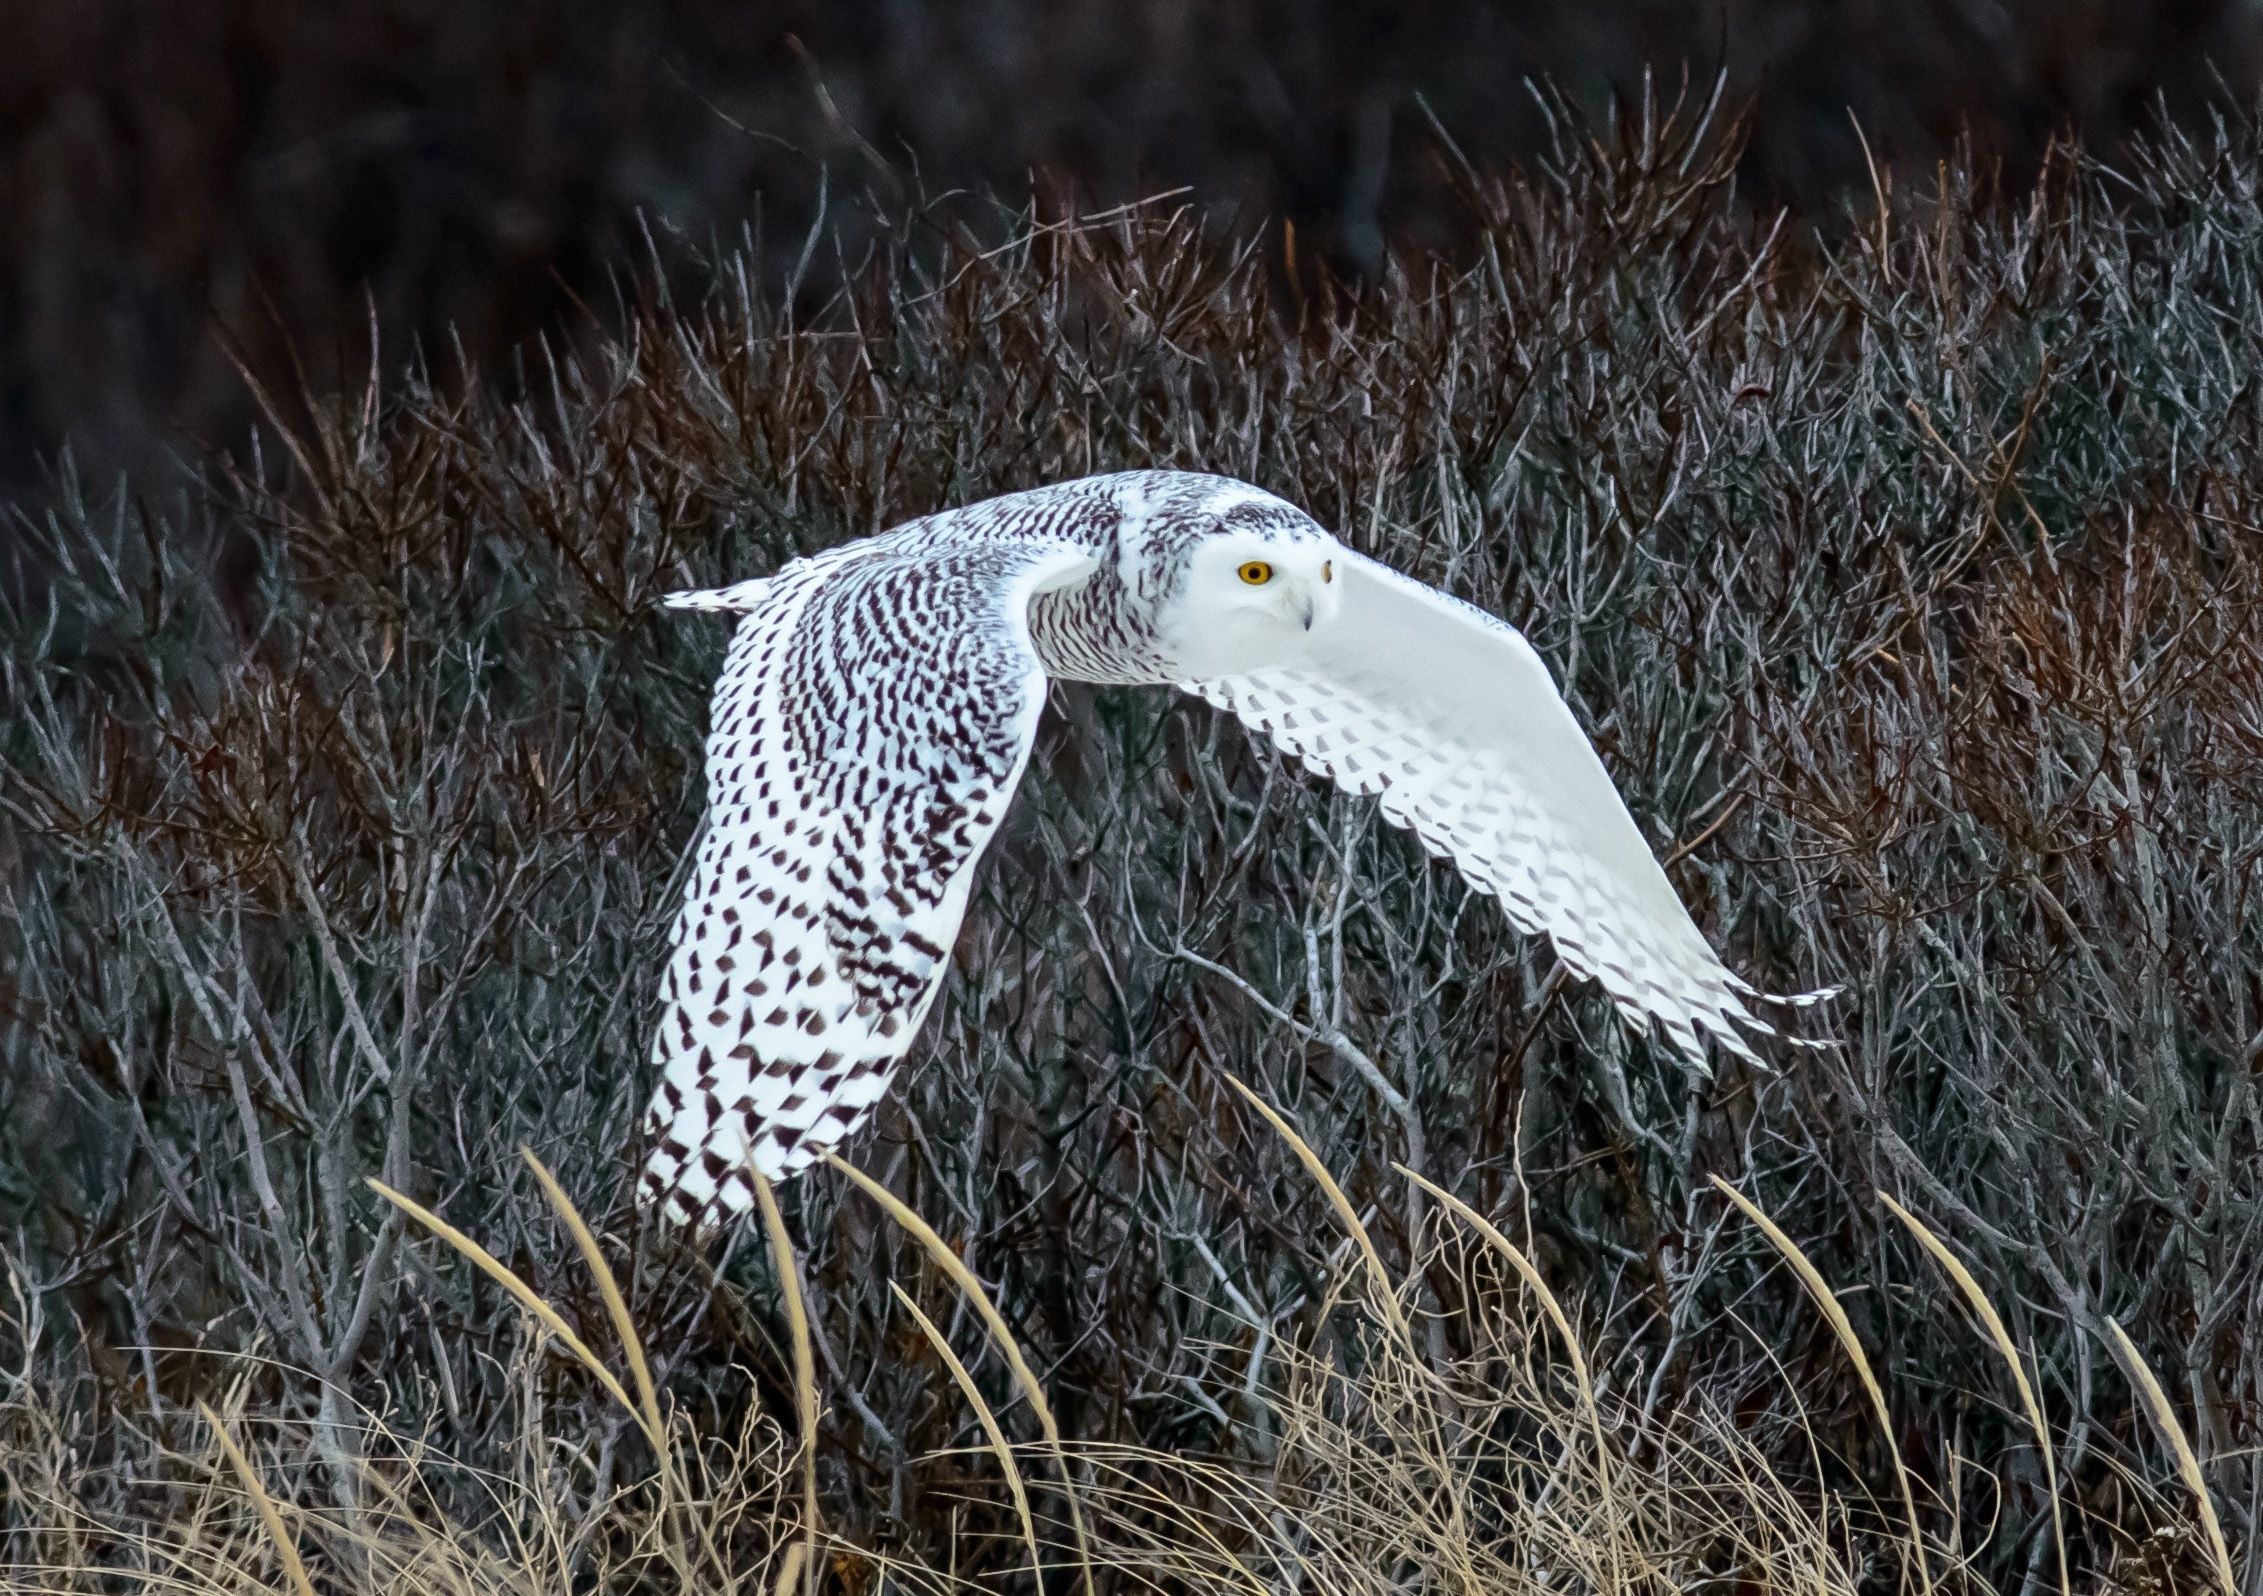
[(740, 598), (705, 1142)]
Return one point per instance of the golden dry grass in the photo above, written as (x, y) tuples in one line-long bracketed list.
[(1499, 1468)]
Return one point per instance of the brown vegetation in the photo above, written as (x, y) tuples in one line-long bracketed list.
[(1909, 584)]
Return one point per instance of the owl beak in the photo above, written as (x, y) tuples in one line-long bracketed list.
[(1308, 612)]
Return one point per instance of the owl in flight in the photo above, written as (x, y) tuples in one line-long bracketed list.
[(878, 704)]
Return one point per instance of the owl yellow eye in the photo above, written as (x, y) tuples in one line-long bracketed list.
[(1327, 570), (1256, 573)]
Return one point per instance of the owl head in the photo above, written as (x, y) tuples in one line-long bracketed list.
[(1239, 579)]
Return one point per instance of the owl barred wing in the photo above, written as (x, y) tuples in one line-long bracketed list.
[(875, 710), (1448, 715)]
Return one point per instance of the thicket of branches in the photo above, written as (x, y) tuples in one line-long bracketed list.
[(1907, 580), (466, 169)]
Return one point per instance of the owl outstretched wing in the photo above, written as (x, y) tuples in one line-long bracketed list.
[(1447, 715), (875, 711)]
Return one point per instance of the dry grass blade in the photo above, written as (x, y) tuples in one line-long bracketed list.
[(647, 1411), (1026, 1377), (805, 1367), (616, 1306), (1843, 1328), (1524, 1268), (493, 1268), (790, 1568), (1508, 1249), (1386, 1292), (987, 1419), (269, 1515), (1954, 1268), (2188, 1463)]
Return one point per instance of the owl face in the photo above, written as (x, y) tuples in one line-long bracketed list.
[(1258, 584)]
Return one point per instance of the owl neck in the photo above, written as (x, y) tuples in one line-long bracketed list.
[(1099, 631)]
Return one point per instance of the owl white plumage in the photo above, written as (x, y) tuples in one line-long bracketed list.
[(879, 702)]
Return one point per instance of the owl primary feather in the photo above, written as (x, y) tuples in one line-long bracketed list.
[(878, 704)]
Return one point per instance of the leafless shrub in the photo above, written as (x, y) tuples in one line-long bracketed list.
[(461, 175), (1909, 585)]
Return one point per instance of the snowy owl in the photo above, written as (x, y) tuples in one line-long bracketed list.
[(878, 704)]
